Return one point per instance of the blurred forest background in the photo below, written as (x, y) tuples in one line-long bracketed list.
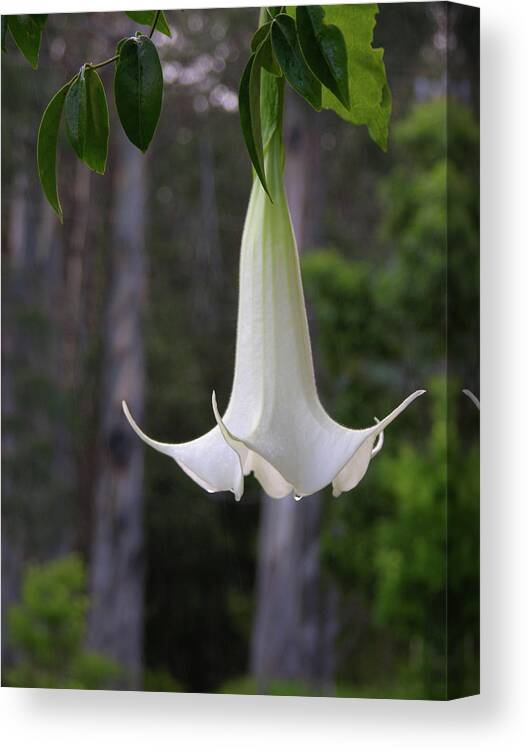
[(117, 570)]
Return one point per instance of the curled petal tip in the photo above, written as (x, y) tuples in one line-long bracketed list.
[(130, 419), (380, 437), (216, 412), (379, 442), (472, 397)]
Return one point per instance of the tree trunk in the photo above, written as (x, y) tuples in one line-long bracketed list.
[(116, 559), (12, 531), (294, 623), (208, 247)]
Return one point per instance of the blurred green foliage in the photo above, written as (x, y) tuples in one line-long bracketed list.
[(421, 216), (160, 681), (382, 328), (47, 629), (250, 686), (393, 556)]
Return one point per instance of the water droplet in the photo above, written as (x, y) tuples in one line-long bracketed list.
[(297, 497)]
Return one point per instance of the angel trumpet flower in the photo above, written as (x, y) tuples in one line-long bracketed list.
[(274, 424)]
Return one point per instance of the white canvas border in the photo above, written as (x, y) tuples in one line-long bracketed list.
[(57, 719)]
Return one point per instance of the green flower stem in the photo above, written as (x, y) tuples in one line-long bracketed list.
[(102, 64), (153, 27), (272, 101)]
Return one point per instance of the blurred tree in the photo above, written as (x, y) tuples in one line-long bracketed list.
[(116, 555), (37, 477)]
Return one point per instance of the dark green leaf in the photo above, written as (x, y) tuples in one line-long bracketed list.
[(262, 38), (275, 10), (324, 49), (260, 35), (250, 114), (4, 32), (146, 18), (26, 32), (75, 113), (271, 105), (40, 19), (268, 60), (86, 115), (289, 56), (47, 147), (138, 89), (369, 94), (96, 144)]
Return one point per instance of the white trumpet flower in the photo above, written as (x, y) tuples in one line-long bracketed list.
[(274, 424)]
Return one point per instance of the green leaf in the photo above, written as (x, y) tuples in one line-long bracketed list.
[(290, 58), (369, 93), (27, 33), (47, 148), (146, 18), (260, 35), (324, 49), (75, 113), (40, 19), (275, 10), (250, 114), (86, 115), (138, 89), (4, 32), (268, 61), (96, 145)]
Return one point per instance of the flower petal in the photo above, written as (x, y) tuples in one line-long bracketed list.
[(356, 467), (472, 397), (208, 460), (307, 454), (269, 478)]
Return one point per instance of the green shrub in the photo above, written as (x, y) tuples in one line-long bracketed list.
[(47, 629)]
